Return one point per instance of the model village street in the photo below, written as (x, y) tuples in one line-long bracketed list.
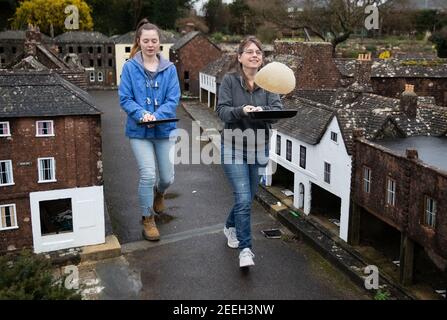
[(192, 260)]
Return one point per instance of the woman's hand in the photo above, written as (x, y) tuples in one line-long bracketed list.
[(249, 108), (148, 117)]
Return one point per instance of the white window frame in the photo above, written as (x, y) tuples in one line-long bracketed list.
[(51, 126), (53, 170), (430, 209), (92, 76), (11, 176), (334, 134), (327, 174), (8, 129), (10, 205), (366, 179), (390, 191), (100, 76)]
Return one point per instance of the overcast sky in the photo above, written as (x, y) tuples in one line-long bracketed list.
[(199, 4)]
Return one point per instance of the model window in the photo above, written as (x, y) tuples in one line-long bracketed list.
[(8, 217), (278, 144), (288, 150), (303, 152), (430, 212), (327, 172), (6, 177), (47, 170), (44, 128), (366, 179), (334, 136), (4, 129), (391, 192)]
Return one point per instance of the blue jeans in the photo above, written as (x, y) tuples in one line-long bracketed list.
[(244, 177), (153, 155)]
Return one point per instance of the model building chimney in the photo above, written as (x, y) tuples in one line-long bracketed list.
[(362, 74), (33, 37), (409, 101)]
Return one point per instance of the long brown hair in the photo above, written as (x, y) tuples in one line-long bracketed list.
[(245, 43), (142, 25)]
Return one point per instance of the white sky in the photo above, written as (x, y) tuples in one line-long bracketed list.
[(199, 4)]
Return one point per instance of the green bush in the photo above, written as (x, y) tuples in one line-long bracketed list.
[(382, 295), (29, 277), (266, 34), (217, 36)]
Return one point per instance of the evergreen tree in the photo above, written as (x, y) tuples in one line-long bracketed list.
[(29, 277)]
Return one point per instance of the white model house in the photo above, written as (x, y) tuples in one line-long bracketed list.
[(312, 149), (211, 77)]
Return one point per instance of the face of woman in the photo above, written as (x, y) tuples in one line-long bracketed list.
[(149, 42), (251, 57)]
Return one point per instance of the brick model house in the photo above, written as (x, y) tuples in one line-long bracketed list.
[(388, 77), (51, 194), (12, 45), (399, 197), (96, 53), (190, 54), (37, 56)]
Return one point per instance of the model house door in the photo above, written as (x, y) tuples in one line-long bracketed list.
[(67, 218)]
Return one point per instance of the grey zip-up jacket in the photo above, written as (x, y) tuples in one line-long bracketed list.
[(234, 95)]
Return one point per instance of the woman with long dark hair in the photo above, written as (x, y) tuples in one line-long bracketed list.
[(245, 142), (149, 90)]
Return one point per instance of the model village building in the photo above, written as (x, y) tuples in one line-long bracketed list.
[(312, 154), (388, 77), (191, 54), (51, 193), (37, 57), (399, 198), (211, 78), (96, 53), (12, 45)]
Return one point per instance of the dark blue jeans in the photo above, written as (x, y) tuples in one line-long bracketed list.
[(244, 177)]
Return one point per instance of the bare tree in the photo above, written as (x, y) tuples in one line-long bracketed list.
[(330, 20)]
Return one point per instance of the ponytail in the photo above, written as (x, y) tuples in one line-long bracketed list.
[(142, 25)]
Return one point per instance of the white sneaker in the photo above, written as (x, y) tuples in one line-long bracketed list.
[(246, 258), (230, 233)]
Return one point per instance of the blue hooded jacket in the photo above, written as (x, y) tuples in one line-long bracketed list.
[(140, 94)]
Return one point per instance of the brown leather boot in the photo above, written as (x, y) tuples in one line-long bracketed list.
[(150, 231), (159, 205)]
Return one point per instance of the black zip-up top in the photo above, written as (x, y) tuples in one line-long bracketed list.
[(234, 95)]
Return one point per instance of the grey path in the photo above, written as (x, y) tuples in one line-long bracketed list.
[(192, 260)]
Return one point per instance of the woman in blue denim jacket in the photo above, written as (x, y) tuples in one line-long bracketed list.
[(149, 90)]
